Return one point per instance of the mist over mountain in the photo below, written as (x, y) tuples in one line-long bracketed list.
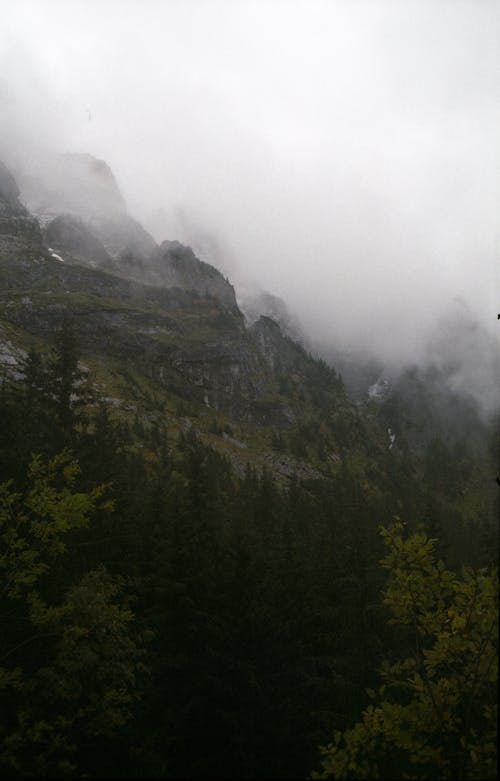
[(67, 192), (249, 376), (355, 180)]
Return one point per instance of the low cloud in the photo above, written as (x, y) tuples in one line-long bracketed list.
[(341, 155)]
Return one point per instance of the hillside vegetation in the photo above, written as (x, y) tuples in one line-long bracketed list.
[(215, 562)]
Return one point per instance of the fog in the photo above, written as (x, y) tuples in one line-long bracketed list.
[(342, 155)]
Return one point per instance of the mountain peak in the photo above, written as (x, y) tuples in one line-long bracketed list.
[(71, 183)]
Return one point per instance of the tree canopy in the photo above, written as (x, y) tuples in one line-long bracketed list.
[(435, 714)]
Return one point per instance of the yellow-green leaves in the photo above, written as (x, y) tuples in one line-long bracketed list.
[(68, 654), (435, 716), (32, 527)]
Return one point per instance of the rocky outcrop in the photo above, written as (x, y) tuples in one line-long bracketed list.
[(19, 232), (9, 191), (176, 265), (70, 234), (278, 351), (191, 345), (124, 239), (76, 198), (160, 310), (78, 201), (264, 304)]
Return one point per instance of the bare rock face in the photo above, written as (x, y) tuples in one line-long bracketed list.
[(19, 232), (70, 234), (264, 304), (78, 197), (176, 265), (278, 350), (77, 200), (124, 238), (9, 191), (161, 310)]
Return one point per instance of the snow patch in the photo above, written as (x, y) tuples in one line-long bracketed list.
[(392, 438), (55, 255)]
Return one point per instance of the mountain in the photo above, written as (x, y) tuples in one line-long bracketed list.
[(77, 184), (175, 319), (20, 233), (255, 304), (191, 505), (159, 309)]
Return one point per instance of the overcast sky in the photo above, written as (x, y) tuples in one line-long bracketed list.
[(343, 154)]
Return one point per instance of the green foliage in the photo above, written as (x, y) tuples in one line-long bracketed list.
[(68, 658), (261, 598), (435, 714), (33, 526), (67, 383)]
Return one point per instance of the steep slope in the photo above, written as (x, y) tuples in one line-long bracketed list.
[(171, 316), (77, 184), (264, 304), (78, 203), (20, 234), (169, 320), (214, 548)]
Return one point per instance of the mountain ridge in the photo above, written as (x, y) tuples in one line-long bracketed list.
[(178, 319)]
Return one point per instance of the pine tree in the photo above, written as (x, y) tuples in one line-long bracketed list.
[(67, 382)]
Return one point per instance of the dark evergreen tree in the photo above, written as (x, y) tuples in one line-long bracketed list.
[(68, 384)]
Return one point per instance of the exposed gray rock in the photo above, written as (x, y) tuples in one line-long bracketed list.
[(161, 310), (77, 199), (19, 232), (125, 240), (264, 304), (11, 358), (70, 233), (9, 191), (83, 188), (279, 351), (285, 468), (176, 265)]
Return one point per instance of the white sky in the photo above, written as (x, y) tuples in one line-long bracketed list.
[(344, 154)]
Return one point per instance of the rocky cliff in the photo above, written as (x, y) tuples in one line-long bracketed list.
[(160, 309), (82, 213), (20, 234)]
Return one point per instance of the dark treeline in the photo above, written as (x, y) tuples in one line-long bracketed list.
[(163, 617)]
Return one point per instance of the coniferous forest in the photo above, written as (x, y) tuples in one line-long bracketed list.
[(166, 616)]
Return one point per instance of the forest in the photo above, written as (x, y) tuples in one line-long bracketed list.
[(165, 616)]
